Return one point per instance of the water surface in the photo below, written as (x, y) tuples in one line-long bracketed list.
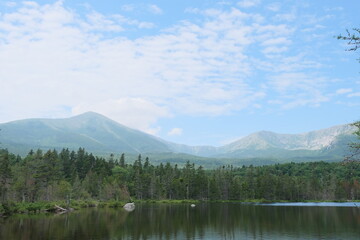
[(205, 221), (316, 204)]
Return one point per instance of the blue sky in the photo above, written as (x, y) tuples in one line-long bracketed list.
[(192, 72)]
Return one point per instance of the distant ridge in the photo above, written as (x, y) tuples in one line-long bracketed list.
[(273, 144), (101, 135), (90, 130)]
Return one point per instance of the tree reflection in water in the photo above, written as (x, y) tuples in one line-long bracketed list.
[(206, 221)]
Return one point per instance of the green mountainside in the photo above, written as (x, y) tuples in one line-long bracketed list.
[(103, 136), (91, 131)]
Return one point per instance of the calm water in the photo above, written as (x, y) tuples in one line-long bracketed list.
[(205, 221)]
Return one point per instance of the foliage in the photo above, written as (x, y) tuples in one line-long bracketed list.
[(352, 38), (354, 146), (83, 180)]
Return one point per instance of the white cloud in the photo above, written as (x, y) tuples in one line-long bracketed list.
[(128, 7), (356, 94), (276, 102), (175, 132), (288, 17), (153, 131), (343, 90), (192, 10), (72, 64), (30, 3), (146, 25), (97, 21), (298, 89), (275, 7), (10, 4), (248, 3), (276, 41), (152, 8), (274, 50), (334, 9), (224, 3), (155, 9)]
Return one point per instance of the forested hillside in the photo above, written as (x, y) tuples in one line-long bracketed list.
[(56, 175)]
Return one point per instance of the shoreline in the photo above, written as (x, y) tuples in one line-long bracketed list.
[(8, 209)]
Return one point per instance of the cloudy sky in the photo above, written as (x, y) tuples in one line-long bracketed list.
[(193, 72)]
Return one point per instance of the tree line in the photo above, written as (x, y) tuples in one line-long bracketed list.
[(53, 175)]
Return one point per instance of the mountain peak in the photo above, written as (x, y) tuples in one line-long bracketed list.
[(264, 133), (93, 118), (314, 140), (90, 130), (89, 114)]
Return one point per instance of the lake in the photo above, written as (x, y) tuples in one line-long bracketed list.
[(180, 221)]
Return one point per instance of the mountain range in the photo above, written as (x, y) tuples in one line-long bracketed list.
[(102, 136)]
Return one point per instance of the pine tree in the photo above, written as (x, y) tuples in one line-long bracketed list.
[(122, 160), (5, 174)]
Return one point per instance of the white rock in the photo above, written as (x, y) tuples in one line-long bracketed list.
[(129, 207)]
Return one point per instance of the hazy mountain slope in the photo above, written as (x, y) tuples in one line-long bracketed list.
[(325, 142), (329, 143), (90, 130), (102, 136), (204, 151)]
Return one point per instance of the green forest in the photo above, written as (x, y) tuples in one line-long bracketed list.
[(79, 175)]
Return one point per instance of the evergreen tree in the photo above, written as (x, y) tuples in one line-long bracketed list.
[(355, 146), (5, 173), (53, 176), (138, 181), (122, 160)]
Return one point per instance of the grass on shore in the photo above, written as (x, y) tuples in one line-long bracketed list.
[(10, 208)]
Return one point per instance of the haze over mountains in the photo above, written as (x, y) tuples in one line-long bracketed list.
[(101, 135)]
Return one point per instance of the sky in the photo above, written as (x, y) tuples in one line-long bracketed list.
[(193, 72)]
